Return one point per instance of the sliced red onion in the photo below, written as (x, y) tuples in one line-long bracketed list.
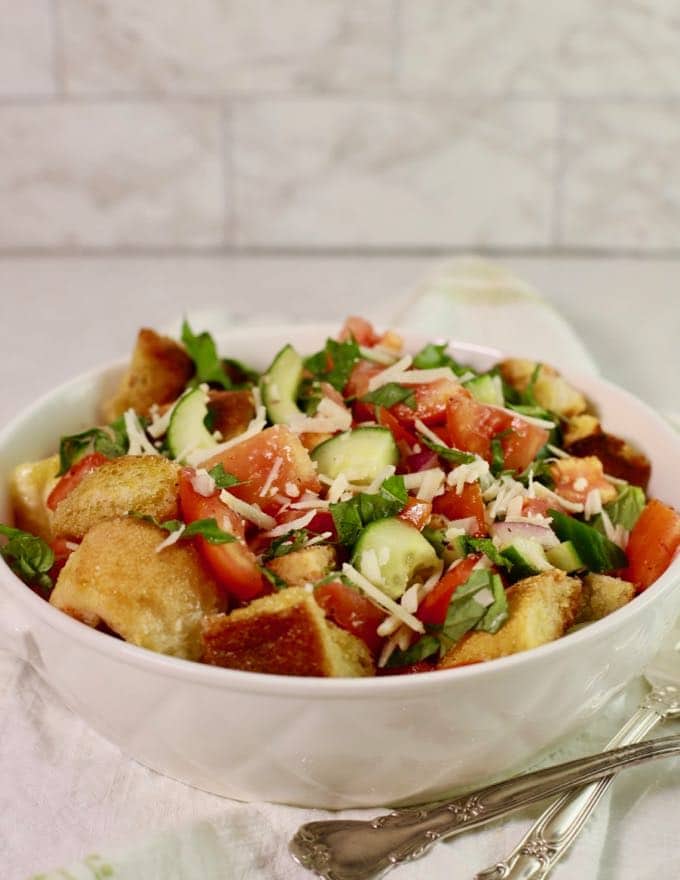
[(507, 532), (421, 461)]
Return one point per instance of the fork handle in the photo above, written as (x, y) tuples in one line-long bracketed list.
[(559, 825)]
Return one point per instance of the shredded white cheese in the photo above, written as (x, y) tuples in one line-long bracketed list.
[(252, 512), (337, 488), (379, 479), (378, 354), (467, 473), (386, 376), (542, 491), (464, 526), (557, 452), (172, 538), (318, 539), (424, 377), (501, 495), (432, 485), (401, 639), (71, 545), (271, 476), (330, 417), (593, 503), (580, 484), (371, 566), (203, 483), (381, 599), (422, 428), (139, 444), (294, 524), (257, 424), (309, 501), (531, 420), (292, 490)]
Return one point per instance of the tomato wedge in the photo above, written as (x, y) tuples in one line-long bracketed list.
[(653, 543), (74, 475), (352, 612), (472, 426), (416, 512), (434, 606), (468, 503), (234, 565)]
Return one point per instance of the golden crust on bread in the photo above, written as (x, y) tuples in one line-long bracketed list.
[(29, 487), (153, 599), (284, 633), (603, 594), (306, 566), (231, 411), (146, 484), (550, 390), (158, 372), (541, 609)]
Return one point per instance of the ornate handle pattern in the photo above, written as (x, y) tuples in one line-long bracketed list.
[(356, 850), (557, 828)]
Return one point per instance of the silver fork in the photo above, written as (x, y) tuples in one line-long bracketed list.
[(553, 833)]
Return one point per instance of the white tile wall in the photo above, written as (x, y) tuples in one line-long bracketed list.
[(316, 124)]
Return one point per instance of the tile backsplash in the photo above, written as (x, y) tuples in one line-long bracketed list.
[(508, 125)]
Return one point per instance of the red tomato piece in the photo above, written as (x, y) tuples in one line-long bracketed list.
[(432, 401), (416, 512), (351, 611), (434, 606), (252, 462), (359, 328), (234, 565), (472, 426), (404, 438), (653, 543), (61, 549), (468, 503), (74, 475), (361, 375)]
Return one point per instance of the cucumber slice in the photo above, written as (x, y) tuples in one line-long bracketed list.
[(527, 557), (279, 386), (449, 551), (400, 555), (486, 389), (598, 553), (565, 557), (362, 454), (187, 430)]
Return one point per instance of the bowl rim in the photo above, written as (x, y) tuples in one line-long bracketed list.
[(388, 686)]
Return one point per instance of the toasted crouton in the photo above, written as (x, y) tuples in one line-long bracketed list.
[(29, 487), (618, 458), (580, 427), (285, 633), (603, 594), (550, 390), (158, 372), (576, 477), (153, 599), (146, 484), (541, 609), (231, 411), (306, 566)]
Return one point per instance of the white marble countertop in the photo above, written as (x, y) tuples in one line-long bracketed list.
[(63, 315)]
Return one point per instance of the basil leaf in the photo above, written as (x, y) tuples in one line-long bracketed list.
[(455, 456), (528, 396), (208, 529), (334, 363), (488, 548), (626, 508), (497, 613), (203, 352), (288, 543), (111, 441), (28, 556), (497, 456), (274, 579), (433, 355), (390, 395), (223, 479), (350, 517), (436, 537), (425, 647), (598, 553)]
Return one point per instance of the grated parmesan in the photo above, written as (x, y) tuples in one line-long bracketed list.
[(330, 417), (172, 538), (252, 512), (294, 524), (543, 492), (467, 473), (271, 476), (139, 443), (386, 376), (530, 420), (381, 599), (256, 425), (203, 483)]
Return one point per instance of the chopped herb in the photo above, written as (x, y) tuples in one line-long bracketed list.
[(28, 556), (223, 479), (488, 548), (111, 441), (528, 396), (432, 356), (350, 517), (288, 543), (498, 453), (626, 508), (334, 363), (390, 395), (274, 579), (540, 472), (203, 352), (464, 613), (206, 528), (455, 456)]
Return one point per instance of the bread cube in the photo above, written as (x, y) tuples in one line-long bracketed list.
[(306, 566), (284, 633), (603, 594), (156, 600), (159, 370), (550, 390), (541, 609), (146, 484), (29, 486)]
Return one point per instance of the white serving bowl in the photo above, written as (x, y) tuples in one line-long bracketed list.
[(333, 743)]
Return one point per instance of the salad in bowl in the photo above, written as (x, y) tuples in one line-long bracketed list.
[(361, 510)]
